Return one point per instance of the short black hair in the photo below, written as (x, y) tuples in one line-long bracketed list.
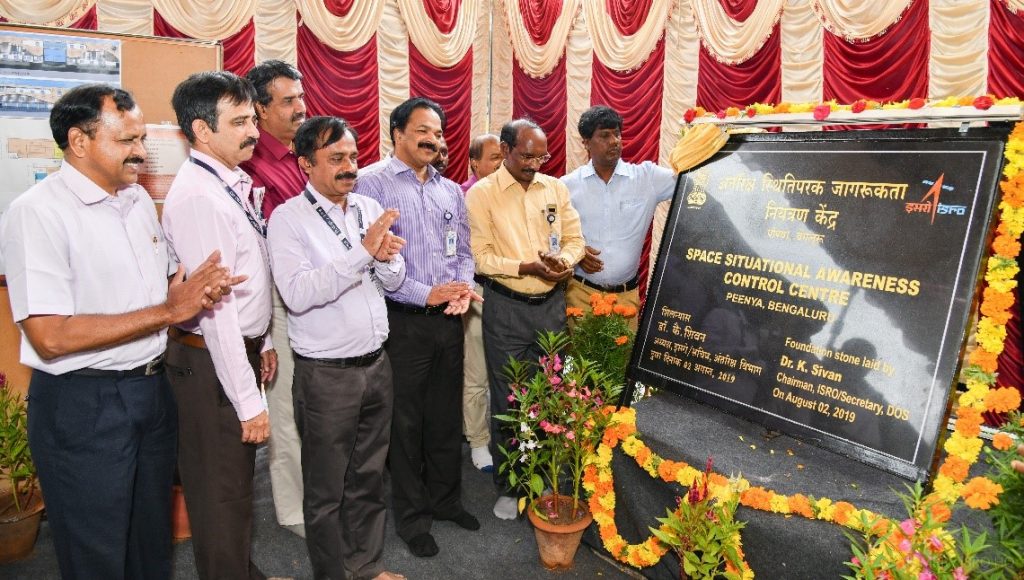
[(598, 117), (197, 97), (476, 146), (319, 132), (510, 131), (262, 76), (400, 116), (81, 107)]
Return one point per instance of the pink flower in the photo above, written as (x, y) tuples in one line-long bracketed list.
[(555, 379), (959, 574), (511, 398), (926, 574), (855, 561), (935, 543), (908, 526), (570, 435), (751, 111), (905, 546), (720, 114), (558, 363), (821, 112)]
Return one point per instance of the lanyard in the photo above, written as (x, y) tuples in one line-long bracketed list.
[(257, 224), (341, 235), (330, 223)]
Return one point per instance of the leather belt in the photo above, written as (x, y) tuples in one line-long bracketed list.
[(153, 367), (613, 288), (410, 309), (364, 360), (252, 345), (531, 299)]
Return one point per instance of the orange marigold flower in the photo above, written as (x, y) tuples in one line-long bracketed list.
[(621, 340), (574, 312), (968, 421), (965, 101), (940, 511), (611, 298), (954, 467), (629, 312), (1002, 400), (799, 504), (595, 298), (981, 493), (880, 526), (1013, 191), (667, 470), (619, 309), (1002, 441), (732, 111), (602, 310), (642, 455), (718, 480), (843, 511), (781, 108), (1005, 245), (608, 532), (988, 361), (757, 498)]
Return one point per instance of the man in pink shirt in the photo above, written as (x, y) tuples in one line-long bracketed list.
[(217, 361), (274, 168), (484, 158)]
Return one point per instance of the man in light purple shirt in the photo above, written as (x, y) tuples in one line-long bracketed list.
[(426, 343), (330, 279), (217, 361), (87, 268)]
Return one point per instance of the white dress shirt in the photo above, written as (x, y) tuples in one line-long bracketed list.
[(200, 217), (334, 307), (72, 248)]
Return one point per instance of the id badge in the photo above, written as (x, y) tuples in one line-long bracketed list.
[(451, 240), (553, 246)]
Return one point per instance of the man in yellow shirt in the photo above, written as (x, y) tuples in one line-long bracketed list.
[(526, 238)]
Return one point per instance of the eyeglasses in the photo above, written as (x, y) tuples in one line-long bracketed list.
[(532, 159)]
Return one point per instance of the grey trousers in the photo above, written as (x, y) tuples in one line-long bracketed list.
[(343, 416), (510, 331)]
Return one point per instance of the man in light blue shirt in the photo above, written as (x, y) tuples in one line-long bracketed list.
[(616, 202)]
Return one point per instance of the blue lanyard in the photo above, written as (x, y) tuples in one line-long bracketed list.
[(258, 225)]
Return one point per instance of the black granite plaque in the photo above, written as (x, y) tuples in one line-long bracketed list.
[(820, 283)]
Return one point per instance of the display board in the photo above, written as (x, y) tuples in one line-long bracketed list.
[(36, 65), (821, 283)]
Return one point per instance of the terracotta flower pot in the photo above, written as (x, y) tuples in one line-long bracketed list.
[(558, 542), (180, 528), (18, 532)]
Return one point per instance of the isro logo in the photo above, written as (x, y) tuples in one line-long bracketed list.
[(930, 204)]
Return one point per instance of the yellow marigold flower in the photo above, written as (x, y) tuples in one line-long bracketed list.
[(947, 489), (966, 448), (826, 511), (981, 493), (630, 445), (779, 504), (1002, 441), (607, 501)]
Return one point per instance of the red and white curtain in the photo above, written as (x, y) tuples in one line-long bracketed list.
[(551, 59)]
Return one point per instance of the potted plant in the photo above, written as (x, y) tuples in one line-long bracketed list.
[(21, 509), (704, 534), (557, 412), (603, 335)]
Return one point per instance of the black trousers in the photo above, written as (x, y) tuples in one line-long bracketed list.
[(104, 451), (510, 331), (216, 468), (343, 416), (426, 431)]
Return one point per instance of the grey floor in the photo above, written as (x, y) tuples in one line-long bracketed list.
[(499, 550)]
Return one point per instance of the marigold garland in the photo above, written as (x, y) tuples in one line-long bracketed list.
[(962, 448)]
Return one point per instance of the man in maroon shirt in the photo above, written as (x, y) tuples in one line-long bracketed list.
[(274, 168)]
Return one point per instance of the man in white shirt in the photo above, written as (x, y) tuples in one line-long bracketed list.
[(87, 268), (330, 279), (217, 362)]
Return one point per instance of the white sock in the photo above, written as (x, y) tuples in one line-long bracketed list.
[(505, 508), (481, 458)]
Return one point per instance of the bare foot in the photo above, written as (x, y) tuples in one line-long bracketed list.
[(385, 575)]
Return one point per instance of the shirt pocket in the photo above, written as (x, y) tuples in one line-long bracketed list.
[(632, 204)]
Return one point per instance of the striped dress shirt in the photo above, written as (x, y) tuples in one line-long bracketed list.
[(424, 225)]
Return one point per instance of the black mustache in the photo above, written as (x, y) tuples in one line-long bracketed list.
[(247, 143), (346, 175), (428, 145), (134, 160), (298, 117)]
